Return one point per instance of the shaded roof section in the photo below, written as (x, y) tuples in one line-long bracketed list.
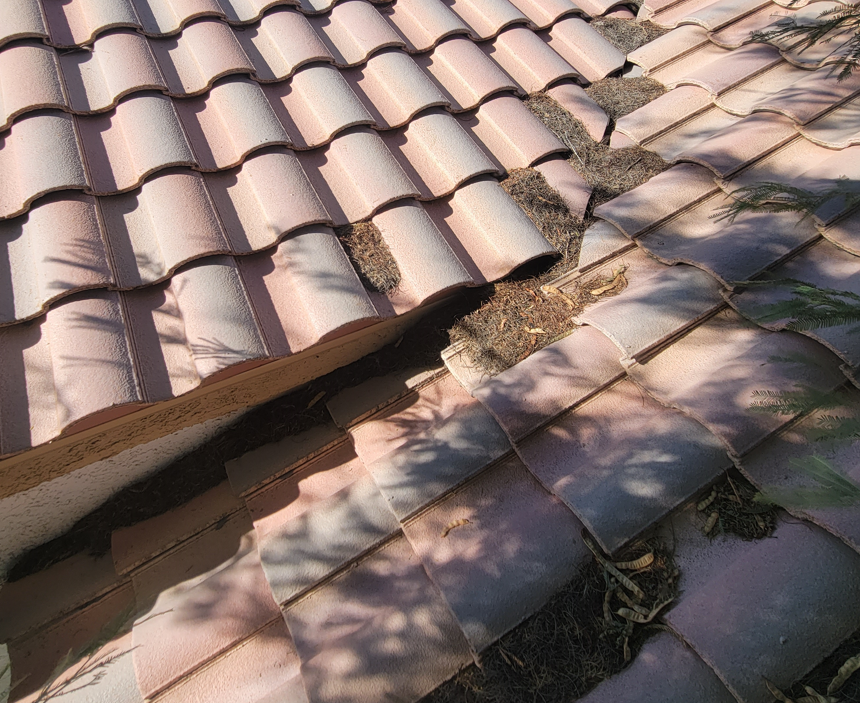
[(173, 173)]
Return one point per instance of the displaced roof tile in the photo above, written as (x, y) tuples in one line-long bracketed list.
[(487, 18), (664, 113), (579, 104), (519, 547), (383, 621), (585, 49), (563, 178), (600, 242), (464, 73), (20, 19), (528, 59), (348, 46), (424, 23), (77, 22), (29, 80), (622, 461)]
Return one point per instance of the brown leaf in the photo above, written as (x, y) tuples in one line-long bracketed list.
[(451, 525), (637, 564), (775, 692), (702, 505), (844, 673), (712, 521), (316, 399)]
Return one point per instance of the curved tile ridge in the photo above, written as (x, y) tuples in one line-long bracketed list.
[(708, 14), (543, 13), (29, 80), (22, 19), (147, 345), (424, 23), (585, 49), (738, 33), (354, 30), (486, 18)]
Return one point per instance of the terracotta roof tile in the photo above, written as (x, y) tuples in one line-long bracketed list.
[(822, 174), (348, 47), (511, 133), (596, 8), (393, 88), (600, 242), (528, 59), (844, 233), (687, 136), (669, 47), (674, 73), (658, 303), (543, 13), (77, 22), (141, 135), (383, 621), (464, 73), (486, 18), (585, 49), (578, 103), (547, 383), (333, 172), (520, 546), (665, 113), (20, 19), (43, 154), (565, 179), (711, 374), (734, 68), (837, 129), (437, 154), (488, 232), (621, 461), (424, 23), (42, 87), (782, 165), (160, 17), (737, 33), (811, 96), (741, 99), (710, 15), (282, 42)]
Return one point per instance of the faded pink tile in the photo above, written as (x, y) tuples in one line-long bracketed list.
[(543, 13), (585, 49), (741, 99), (668, 48), (688, 135), (734, 68), (76, 23), (20, 19), (349, 45), (424, 23), (578, 103), (487, 18), (811, 96), (673, 74), (29, 80), (528, 59), (563, 178), (664, 113)]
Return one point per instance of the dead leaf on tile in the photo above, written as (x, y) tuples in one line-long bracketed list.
[(629, 602), (451, 525), (844, 673), (640, 563), (815, 697), (606, 564), (639, 618), (503, 323), (558, 293), (536, 330), (316, 399), (775, 692), (617, 280), (712, 521), (703, 504)]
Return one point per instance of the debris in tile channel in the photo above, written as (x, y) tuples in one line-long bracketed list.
[(836, 679), (370, 256), (731, 507), (588, 632), (627, 35)]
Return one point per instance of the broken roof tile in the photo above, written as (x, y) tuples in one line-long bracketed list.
[(622, 461), (658, 303), (42, 155), (334, 172), (384, 622), (543, 13), (348, 46), (486, 18), (511, 133), (662, 197), (579, 104), (464, 73), (393, 88), (77, 22), (528, 59), (565, 179), (20, 19), (664, 113), (547, 383), (141, 135), (437, 154), (811, 96), (424, 23), (315, 105), (585, 48), (43, 87), (520, 546), (734, 68), (487, 230), (668, 48), (741, 99), (713, 371), (282, 42)]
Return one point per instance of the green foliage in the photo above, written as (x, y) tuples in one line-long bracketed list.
[(797, 402), (833, 488), (768, 196)]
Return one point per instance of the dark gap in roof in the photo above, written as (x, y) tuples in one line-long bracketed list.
[(370, 256), (730, 507), (627, 35), (823, 674)]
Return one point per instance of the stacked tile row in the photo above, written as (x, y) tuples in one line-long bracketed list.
[(254, 131)]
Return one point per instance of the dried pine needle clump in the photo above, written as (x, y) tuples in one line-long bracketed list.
[(627, 35), (731, 508), (370, 256), (621, 96)]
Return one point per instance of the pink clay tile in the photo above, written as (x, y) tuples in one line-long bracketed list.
[(464, 74), (488, 232), (280, 43), (621, 13), (41, 152), (437, 154), (562, 177), (20, 19), (712, 16), (734, 68), (845, 233), (741, 99), (579, 104), (161, 17), (265, 198), (712, 373), (739, 145), (414, 241), (621, 462), (681, 674), (393, 88), (668, 48), (384, 625), (79, 21), (837, 129), (486, 18), (53, 251), (424, 23), (518, 547), (230, 122), (757, 616), (664, 114), (652, 203), (549, 382), (528, 59), (134, 545), (511, 134), (782, 165), (198, 602), (672, 74), (600, 242), (203, 52), (649, 7), (543, 13), (29, 80), (141, 135), (241, 11), (811, 96), (674, 14), (585, 49), (264, 667), (354, 30), (607, 8), (338, 173), (118, 64), (658, 304), (315, 105), (140, 228), (688, 135), (737, 33)]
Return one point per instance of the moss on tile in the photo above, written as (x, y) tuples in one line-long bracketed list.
[(370, 256)]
